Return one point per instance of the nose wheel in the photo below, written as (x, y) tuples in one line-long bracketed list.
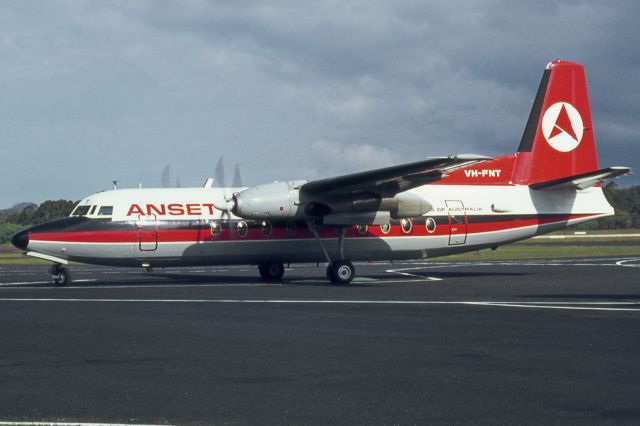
[(60, 275), (341, 272)]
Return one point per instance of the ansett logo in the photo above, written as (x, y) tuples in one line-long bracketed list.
[(562, 126)]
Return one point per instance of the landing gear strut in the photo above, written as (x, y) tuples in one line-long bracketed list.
[(271, 271), (60, 276), (339, 271)]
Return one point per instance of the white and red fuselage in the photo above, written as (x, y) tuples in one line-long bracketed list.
[(177, 227), (430, 208)]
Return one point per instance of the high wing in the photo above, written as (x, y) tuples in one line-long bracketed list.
[(355, 198), (389, 181)]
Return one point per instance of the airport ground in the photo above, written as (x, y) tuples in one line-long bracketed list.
[(536, 341)]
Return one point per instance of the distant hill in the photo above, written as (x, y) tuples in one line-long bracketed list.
[(17, 208)]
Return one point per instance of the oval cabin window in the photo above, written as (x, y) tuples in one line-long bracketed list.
[(385, 228), (406, 225), (431, 225), (266, 228), (362, 229), (243, 229), (215, 229)]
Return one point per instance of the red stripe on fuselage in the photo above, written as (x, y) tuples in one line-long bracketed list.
[(255, 234)]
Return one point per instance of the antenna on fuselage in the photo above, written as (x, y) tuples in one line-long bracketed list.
[(115, 184)]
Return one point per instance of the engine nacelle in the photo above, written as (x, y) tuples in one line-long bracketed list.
[(406, 204), (283, 200), (277, 199)]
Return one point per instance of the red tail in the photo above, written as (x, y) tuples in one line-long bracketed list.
[(558, 139)]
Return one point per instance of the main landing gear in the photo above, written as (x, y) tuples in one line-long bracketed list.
[(60, 276), (271, 271), (339, 271)]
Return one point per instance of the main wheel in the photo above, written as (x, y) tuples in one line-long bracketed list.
[(60, 276), (271, 271), (341, 272)]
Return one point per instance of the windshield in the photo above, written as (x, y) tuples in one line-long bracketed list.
[(80, 211)]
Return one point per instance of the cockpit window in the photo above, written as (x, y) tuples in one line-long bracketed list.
[(81, 211), (105, 211), (93, 210)]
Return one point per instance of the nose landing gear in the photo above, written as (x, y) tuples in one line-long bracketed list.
[(60, 276)]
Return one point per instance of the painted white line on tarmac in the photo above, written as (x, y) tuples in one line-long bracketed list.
[(629, 265), (568, 308), (14, 284), (465, 264), (116, 286), (67, 424), (402, 271), (582, 306)]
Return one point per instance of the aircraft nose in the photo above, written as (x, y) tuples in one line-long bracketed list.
[(21, 240)]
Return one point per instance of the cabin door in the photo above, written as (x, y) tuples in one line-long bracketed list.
[(457, 222), (147, 232)]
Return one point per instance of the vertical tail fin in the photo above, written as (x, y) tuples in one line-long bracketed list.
[(558, 139)]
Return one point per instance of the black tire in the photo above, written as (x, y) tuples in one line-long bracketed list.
[(271, 272), (60, 276), (341, 272)]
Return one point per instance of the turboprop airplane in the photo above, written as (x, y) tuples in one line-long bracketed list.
[(433, 207)]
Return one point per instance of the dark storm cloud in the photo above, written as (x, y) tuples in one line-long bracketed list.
[(117, 90)]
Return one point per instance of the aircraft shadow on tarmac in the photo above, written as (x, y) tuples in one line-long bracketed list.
[(305, 280), (128, 279)]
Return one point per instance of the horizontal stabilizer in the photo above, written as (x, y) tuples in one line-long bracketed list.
[(583, 180)]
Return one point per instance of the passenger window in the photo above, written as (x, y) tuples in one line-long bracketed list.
[(431, 225), (266, 228), (243, 229), (215, 229), (362, 229), (105, 211), (406, 225), (385, 228)]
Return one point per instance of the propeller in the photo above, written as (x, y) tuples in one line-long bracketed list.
[(228, 202)]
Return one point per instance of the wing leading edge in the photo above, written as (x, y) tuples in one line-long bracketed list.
[(390, 181)]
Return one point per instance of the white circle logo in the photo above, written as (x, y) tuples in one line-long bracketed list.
[(562, 126)]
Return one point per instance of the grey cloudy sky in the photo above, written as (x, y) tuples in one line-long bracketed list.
[(92, 91)]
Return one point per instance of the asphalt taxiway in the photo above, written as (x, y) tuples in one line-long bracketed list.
[(407, 343)]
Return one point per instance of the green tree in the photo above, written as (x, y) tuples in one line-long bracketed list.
[(7, 230), (50, 210), (25, 217)]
